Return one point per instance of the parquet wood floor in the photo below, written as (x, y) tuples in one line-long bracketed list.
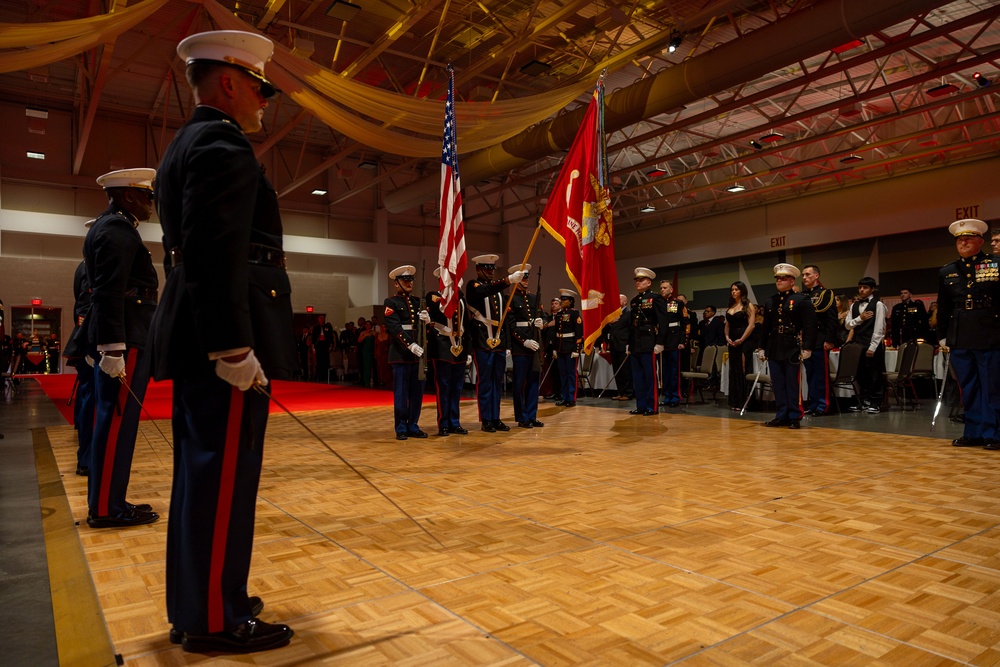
[(600, 539)]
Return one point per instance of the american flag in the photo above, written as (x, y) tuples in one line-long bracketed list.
[(451, 242)]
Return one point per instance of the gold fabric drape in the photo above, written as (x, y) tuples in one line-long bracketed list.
[(39, 44)]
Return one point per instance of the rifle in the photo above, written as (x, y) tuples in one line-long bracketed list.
[(420, 331)]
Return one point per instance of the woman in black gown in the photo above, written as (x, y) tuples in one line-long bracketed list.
[(740, 317)]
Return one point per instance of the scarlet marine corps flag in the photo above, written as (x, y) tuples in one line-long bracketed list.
[(578, 215)]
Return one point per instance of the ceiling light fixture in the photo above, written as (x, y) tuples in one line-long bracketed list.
[(656, 173), (319, 193), (735, 187), (367, 164), (943, 89), (771, 137), (853, 44), (981, 80), (648, 208), (675, 41), (756, 144), (851, 158), (535, 68), (36, 156)]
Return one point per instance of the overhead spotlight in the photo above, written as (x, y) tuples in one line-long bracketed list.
[(981, 80), (735, 187), (756, 144), (648, 208), (675, 41)]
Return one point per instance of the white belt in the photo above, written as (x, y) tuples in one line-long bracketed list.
[(522, 324), (569, 335), (406, 327)]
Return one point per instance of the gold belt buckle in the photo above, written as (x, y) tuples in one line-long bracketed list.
[(970, 304)]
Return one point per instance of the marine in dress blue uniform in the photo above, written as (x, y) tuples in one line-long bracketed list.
[(817, 365), (224, 324), (569, 343), (123, 287), (524, 325), (647, 336), (485, 299), (448, 350), (788, 335), (403, 317), (908, 318), (678, 329), (76, 356), (969, 328)]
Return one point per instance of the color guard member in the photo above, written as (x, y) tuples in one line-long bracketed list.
[(448, 349), (569, 343), (484, 298), (402, 319), (969, 327), (223, 326), (789, 335), (678, 326), (647, 336), (524, 322), (123, 286)]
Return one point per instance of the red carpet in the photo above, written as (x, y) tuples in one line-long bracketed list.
[(296, 396)]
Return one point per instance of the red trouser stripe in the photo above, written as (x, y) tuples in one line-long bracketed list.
[(111, 446), (224, 507), (656, 380)]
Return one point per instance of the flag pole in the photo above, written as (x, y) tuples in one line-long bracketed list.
[(524, 262)]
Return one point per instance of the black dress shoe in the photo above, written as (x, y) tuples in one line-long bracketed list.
[(82, 472), (253, 635), (968, 442), (569, 404), (992, 444), (130, 517), (857, 408), (649, 413), (488, 427), (418, 434), (560, 403), (442, 432), (256, 607), (637, 411), (777, 422), (401, 436), (673, 404), (500, 426), (145, 507), (459, 430), (524, 424), (794, 423), (536, 424)]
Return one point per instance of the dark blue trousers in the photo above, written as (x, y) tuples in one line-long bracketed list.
[(83, 412), (567, 376), (407, 397), (116, 423), (644, 380), (449, 378), (787, 396), (818, 378), (490, 367), (978, 373), (218, 450), (671, 360), (525, 389)]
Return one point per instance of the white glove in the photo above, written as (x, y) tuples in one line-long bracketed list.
[(531, 345), (806, 354), (657, 349), (442, 329), (241, 374), (515, 277), (424, 316), (538, 323), (90, 360), (575, 355), (627, 351), (416, 350), (113, 366), (761, 355), (468, 360), (508, 354), (944, 344)]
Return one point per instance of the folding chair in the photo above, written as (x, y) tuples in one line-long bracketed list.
[(847, 371), (711, 359), (902, 378)]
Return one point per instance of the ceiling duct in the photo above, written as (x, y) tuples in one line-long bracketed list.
[(801, 35)]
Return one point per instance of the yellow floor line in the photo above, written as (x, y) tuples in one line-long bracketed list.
[(81, 634)]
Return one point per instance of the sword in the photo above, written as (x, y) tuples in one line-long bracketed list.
[(620, 367), (143, 408), (750, 393), (72, 393), (260, 389), (947, 372)]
